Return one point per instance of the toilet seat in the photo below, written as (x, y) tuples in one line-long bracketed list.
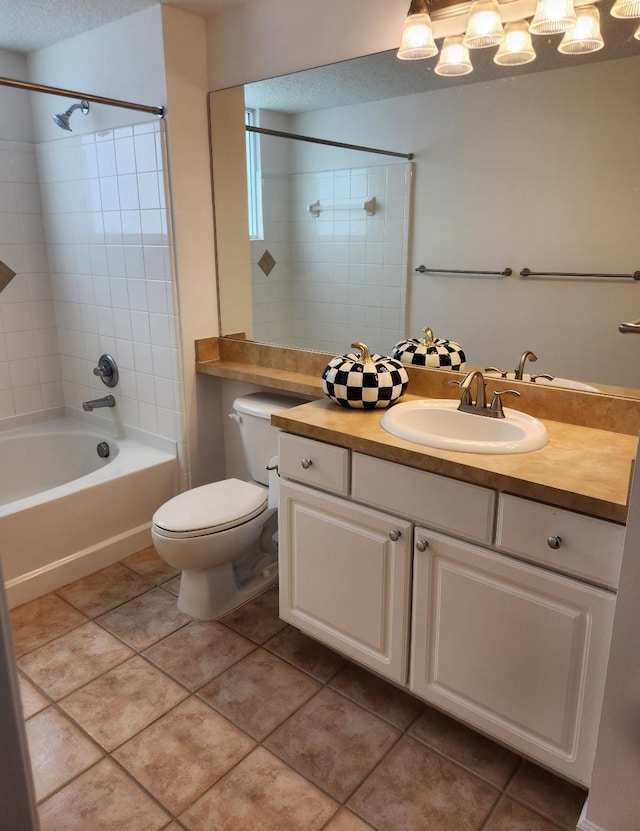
[(210, 509)]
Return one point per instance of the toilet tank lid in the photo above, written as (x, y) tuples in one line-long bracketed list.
[(263, 404)]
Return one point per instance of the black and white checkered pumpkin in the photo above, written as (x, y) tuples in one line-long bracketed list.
[(431, 352), (364, 382)]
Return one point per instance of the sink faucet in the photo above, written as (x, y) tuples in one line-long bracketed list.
[(467, 405), (107, 401), (523, 359)]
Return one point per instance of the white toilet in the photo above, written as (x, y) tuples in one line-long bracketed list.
[(222, 536)]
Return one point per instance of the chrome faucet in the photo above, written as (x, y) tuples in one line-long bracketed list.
[(523, 359), (107, 401), (479, 407)]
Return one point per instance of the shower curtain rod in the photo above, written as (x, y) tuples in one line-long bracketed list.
[(263, 131), (68, 93)]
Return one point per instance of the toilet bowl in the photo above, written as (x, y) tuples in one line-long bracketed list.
[(222, 536)]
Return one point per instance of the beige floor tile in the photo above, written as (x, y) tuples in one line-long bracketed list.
[(173, 586), (199, 652), (482, 756), (258, 619), (344, 820), (376, 694), (58, 750), (102, 799), (148, 564), (42, 620), (260, 794), (74, 659), (554, 797), (32, 700), (145, 619), (182, 754), (333, 742), (259, 692), (511, 816), (122, 702), (104, 590), (306, 654), (416, 789)]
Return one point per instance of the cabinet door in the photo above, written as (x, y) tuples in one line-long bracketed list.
[(345, 577), (514, 650)]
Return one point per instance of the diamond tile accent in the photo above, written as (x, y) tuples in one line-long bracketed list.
[(266, 262)]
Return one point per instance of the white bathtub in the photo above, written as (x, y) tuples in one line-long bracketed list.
[(65, 512)]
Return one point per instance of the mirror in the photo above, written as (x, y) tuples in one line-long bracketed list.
[(530, 167)]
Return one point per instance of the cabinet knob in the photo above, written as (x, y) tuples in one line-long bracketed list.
[(422, 545), (394, 536), (306, 463), (554, 542)]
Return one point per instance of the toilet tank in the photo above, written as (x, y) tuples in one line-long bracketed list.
[(259, 437)]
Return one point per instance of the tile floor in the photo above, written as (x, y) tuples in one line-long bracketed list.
[(140, 718)]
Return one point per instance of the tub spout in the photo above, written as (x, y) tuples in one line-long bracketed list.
[(107, 401)]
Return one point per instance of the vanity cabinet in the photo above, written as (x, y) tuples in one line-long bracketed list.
[(494, 608)]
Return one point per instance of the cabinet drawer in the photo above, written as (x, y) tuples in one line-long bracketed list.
[(314, 463), (437, 501), (587, 547)]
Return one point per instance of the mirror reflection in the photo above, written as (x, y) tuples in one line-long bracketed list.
[(528, 169)]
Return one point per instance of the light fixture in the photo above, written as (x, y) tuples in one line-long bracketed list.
[(485, 25), (553, 17), (626, 8), (585, 37), (636, 34), (516, 48), (417, 34), (454, 58)]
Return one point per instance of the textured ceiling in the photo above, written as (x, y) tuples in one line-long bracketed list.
[(28, 25)]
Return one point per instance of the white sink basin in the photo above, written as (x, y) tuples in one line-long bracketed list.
[(566, 383), (438, 423)]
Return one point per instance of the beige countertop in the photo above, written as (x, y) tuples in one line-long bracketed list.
[(581, 468)]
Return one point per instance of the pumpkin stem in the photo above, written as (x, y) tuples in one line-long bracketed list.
[(365, 354), (427, 340)]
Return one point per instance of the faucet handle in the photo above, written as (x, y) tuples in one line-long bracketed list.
[(465, 398), (496, 401), (501, 372), (534, 378)]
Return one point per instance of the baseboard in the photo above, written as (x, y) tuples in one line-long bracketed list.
[(80, 564), (585, 824)]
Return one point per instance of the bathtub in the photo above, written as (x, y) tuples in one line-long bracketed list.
[(65, 511)]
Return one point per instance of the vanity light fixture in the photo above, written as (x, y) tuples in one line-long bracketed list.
[(636, 34), (454, 57), (626, 8), (585, 37), (553, 17), (516, 48), (417, 34), (485, 25)]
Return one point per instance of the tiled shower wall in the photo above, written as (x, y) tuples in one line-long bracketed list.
[(30, 375), (103, 200), (343, 274)]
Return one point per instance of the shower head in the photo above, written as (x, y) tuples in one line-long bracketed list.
[(62, 119)]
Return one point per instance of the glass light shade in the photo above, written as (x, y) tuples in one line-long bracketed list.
[(626, 8), (454, 58), (417, 38), (636, 34), (485, 25), (553, 17), (516, 48), (585, 37)]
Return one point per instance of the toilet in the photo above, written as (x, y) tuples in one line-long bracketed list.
[(223, 536)]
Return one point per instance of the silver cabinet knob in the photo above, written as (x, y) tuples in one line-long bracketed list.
[(554, 542), (422, 545), (394, 536), (306, 463)]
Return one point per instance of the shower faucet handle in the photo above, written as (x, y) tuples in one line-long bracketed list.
[(107, 370)]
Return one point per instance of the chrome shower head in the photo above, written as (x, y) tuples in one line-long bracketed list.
[(62, 119)]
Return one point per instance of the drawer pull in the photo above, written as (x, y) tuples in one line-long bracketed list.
[(394, 536), (306, 463), (422, 545), (554, 542)]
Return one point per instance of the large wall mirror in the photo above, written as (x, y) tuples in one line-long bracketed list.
[(534, 167)]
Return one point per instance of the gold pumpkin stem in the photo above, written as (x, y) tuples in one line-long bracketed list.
[(427, 340), (365, 354)]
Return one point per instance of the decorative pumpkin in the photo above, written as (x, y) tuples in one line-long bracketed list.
[(364, 382), (430, 351)]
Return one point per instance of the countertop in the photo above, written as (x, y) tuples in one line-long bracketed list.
[(581, 468)]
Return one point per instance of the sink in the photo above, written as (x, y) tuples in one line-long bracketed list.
[(438, 423), (566, 383)]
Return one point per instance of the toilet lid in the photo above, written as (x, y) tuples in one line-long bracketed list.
[(211, 508)]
